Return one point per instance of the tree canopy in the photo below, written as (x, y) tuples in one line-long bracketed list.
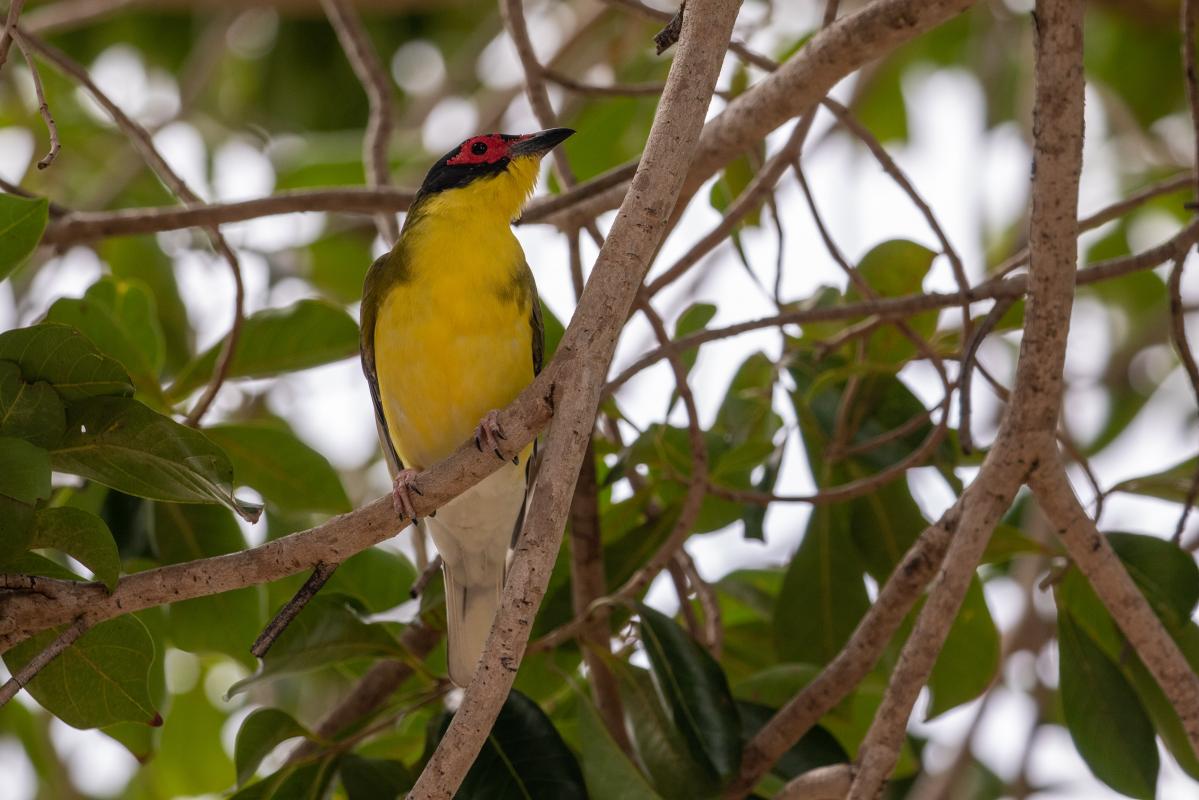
[(854, 437)]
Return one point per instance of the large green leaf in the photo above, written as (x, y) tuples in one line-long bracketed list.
[(81, 535), (126, 446), (64, 358), (663, 752), (373, 778), (1105, 717), (969, 658), (284, 470), (696, 691), (307, 334), (260, 733), (24, 470), (374, 580), (99, 680), (119, 317), (190, 532), (884, 523), (524, 757), (816, 748), (823, 594), (29, 411), (22, 221), (325, 634), (892, 269), (141, 260), (607, 771), (304, 781), (1165, 572), (1173, 483)]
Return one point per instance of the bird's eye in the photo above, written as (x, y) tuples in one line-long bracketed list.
[(479, 148)]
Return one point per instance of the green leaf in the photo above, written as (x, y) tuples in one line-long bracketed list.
[(693, 319), (696, 691), (337, 263), (524, 757), (661, 749), (24, 471), (823, 595), (1165, 572), (296, 782), (373, 778), (969, 658), (607, 771), (277, 340), (129, 447), (22, 221), (260, 733), (99, 680), (374, 580), (284, 470), (119, 317), (64, 358), (1172, 484), (884, 523), (16, 530), (1105, 717), (325, 633), (816, 748), (139, 259), (190, 532), (29, 411), (83, 536), (894, 268)]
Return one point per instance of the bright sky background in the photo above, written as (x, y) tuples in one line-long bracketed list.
[(975, 180)]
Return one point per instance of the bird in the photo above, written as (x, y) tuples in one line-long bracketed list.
[(451, 331)]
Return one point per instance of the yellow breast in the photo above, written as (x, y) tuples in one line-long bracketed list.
[(453, 341)]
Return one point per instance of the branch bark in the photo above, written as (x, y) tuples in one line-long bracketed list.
[(585, 351)]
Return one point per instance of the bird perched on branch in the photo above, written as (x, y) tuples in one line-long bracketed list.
[(451, 331)]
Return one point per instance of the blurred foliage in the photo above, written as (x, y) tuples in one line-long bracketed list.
[(99, 479)]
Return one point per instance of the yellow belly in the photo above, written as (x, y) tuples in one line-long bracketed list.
[(448, 349)]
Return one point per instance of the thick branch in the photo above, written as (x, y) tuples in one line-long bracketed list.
[(586, 349), (23, 615), (1025, 444)]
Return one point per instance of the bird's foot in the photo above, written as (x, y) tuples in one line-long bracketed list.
[(402, 489), (489, 434)]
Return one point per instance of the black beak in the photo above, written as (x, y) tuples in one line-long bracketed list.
[(538, 144)]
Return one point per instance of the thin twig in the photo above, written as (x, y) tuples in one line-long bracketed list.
[(426, 574), (9, 31), (713, 629), (969, 358), (21, 678), (597, 90), (44, 109), (292, 608), (370, 73)]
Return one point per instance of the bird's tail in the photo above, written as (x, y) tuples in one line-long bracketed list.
[(470, 607)]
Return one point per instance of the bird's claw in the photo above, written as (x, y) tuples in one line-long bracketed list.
[(402, 489), (490, 434)]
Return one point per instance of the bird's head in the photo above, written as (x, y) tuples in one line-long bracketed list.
[(494, 172)]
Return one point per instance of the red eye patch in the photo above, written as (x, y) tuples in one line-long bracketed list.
[(482, 149)]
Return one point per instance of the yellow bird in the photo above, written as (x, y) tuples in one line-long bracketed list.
[(451, 331)]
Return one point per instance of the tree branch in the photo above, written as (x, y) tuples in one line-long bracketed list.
[(586, 350), (23, 615), (1025, 444)]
